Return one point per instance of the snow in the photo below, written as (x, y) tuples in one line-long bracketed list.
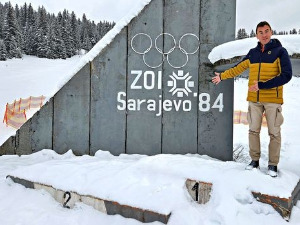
[(241, 47), (30, 76), (151, 179), (150, 182)]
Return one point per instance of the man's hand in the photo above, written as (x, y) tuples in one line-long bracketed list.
[(216, 79), (254, 87)]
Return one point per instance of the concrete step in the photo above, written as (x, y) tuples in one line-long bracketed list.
[(198, 190), (201, 192), (282, 205), (69, 198)]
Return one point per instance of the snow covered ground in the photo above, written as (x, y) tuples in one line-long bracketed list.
[(30, 76), (155, 182)]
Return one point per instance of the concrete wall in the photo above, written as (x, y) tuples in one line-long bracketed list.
[(215, 128), (114, 102)]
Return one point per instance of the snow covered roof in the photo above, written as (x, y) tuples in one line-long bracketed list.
[(241, 47)]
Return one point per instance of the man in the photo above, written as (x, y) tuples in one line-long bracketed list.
[(269, 69)]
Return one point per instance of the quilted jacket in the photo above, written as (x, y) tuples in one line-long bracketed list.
[(271, 68)]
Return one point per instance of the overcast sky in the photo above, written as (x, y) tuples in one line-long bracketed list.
[(282, 14)]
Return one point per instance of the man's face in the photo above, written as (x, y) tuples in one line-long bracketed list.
[(264, 34)]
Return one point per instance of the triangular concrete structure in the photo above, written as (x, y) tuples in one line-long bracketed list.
[(171, 105)]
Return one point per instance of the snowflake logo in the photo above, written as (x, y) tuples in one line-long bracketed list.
[(180, 83)]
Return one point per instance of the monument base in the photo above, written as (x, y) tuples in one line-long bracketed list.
[(69, 198)]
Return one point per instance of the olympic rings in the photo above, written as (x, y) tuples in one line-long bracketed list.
[(161, 51), (193, 35), (147, 50), (187, 59), (153, 67), (165, 55)]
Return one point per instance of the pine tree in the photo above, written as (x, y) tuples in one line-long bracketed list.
[(3, 52), (51, 53), (60, 19), (75, 32), (252, 34), (23, 17), (41, 33), (43, 47), (86, 44), (17, 13), (84, 36), (22, 22), (240, 35), (42, 20), (60, 48), (1, 21), (15, 50), (11, 34), (94, 37), (2, 12), (19, 18), (38, 33), (29, 29), (66, 34)]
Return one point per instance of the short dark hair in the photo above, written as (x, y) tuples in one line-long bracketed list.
[(262, 24)]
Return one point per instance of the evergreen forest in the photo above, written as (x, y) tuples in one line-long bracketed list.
[(23, 30)]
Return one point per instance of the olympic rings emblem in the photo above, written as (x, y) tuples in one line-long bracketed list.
[(165, 54)]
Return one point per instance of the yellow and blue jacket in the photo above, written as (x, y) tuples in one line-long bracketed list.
[(271, 68)]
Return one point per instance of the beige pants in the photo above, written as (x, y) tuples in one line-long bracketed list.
[(274, 121)]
